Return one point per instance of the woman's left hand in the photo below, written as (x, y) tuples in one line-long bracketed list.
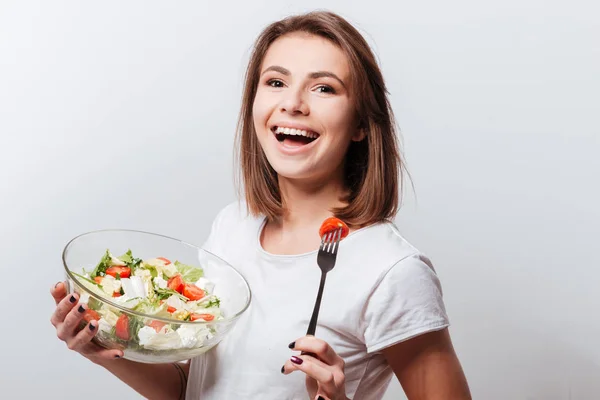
[(324, 369)]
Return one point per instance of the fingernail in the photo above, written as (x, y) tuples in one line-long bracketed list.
[(57, 283), (283, 369), (81, 309), (92, 327), (320, 398), (72, 299), (291, 345), (117, 356), (296, 360)]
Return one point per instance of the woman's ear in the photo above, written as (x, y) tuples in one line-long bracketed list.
[(359, 135), (361, 132)]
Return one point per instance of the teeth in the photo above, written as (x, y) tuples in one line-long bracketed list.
[(297, 132)]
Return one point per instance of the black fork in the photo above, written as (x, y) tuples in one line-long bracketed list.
[(326, 260)]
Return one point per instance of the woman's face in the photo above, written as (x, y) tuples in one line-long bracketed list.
[(303, 113)]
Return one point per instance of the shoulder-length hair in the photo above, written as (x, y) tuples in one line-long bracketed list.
[(373, 167)]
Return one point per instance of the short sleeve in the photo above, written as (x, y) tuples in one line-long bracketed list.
[(216, 229), (209, 242), (406, 302)]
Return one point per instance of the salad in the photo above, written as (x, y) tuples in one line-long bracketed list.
[(155, 287)]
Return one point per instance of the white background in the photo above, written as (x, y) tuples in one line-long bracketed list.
[(122, 113)]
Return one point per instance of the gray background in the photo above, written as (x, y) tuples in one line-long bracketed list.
[(121, 114)]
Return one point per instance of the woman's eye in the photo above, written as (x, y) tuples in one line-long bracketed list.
[(325, 89), (276, 83)]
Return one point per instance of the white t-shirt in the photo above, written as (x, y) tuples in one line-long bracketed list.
[(382, 291)]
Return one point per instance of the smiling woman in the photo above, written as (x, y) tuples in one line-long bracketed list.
[(318, 152), (301, 94), (319, 70)]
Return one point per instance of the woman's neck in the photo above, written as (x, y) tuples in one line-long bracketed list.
[(308, 205)]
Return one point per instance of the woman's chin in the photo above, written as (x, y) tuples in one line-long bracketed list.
[(293, 175)]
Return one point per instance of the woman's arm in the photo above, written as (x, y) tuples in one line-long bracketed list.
[(153, 381), (428, 368)]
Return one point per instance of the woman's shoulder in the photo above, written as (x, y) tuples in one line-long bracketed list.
[(234, 221), (379, 247), (236, 212), (383, 236)]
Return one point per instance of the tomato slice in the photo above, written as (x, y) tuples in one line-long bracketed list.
[(167, 261), (157, 325), (193, 292), (124, 272), (90, 315), (206, 317), (98, 280), (331, 224), (122, 327), (116, 294), (176, 283), (169, 308)]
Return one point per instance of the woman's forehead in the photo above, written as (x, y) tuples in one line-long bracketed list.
[(302, 53)]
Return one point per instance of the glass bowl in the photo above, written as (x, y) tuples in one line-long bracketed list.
[(143, 334)]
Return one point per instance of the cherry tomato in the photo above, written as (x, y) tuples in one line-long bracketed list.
[(157, 325), (206, 317), (122, 327), (90, 315), (193, 292), (169, 308), (124, 272), (331, 224), (176, 283)]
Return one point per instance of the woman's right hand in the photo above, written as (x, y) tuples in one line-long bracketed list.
[(67, 318)]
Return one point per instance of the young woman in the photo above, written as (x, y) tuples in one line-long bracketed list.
[(316, 139)]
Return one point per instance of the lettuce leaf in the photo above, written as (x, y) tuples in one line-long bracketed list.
[(103, 265), (163, 294), (152, 269), (153, 308), (130, 260), (91, 285), (214, 302), (189, 273)]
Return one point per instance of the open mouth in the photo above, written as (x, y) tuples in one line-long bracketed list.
[(294, 137)]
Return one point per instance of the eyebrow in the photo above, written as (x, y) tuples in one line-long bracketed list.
[(312, 75)]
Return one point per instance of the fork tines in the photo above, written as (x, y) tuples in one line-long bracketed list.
[(331, 240)]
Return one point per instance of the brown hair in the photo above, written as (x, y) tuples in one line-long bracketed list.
[(373, 166)]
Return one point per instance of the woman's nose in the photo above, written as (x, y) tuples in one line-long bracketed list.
[(294, 103)]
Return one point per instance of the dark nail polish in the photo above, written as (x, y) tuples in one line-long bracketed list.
[(81, 309), (117, 356), (92, 327), (72, 299), (320, 398), (297, 360), (292, 345), (283, 369)]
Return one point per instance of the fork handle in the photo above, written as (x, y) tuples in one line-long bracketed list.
[(312, 326)]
